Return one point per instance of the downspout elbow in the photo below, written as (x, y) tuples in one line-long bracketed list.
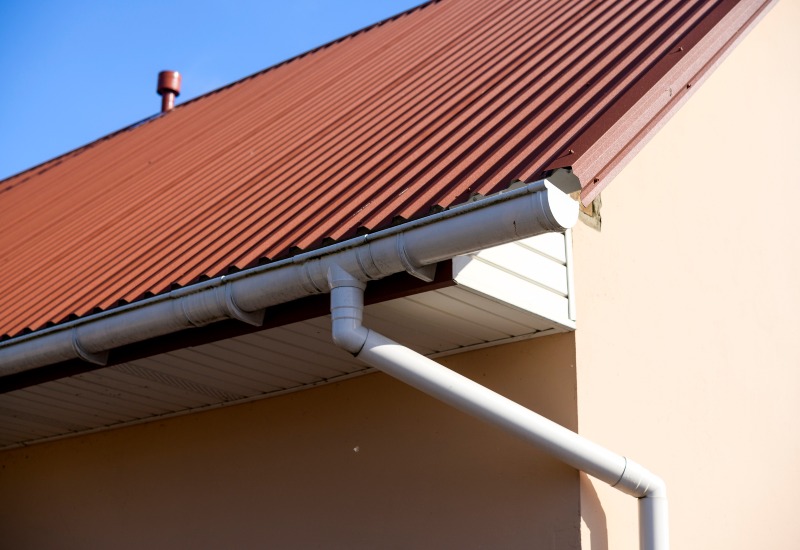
[(639, 482), (657, 488), (347, 332), (651, 491), (347, 306), (654, 516)]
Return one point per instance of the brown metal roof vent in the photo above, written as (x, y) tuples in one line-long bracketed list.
[(169, 87)]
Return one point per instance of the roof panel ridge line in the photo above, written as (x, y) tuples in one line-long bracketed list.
[(535, 208)]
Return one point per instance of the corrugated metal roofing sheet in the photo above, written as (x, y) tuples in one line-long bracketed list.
[(419, 112)]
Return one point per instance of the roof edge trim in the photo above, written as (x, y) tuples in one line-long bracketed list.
[(605, 146)]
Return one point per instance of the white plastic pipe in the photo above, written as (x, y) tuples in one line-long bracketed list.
[(347, 302)]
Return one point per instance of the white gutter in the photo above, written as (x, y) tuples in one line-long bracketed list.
[(347, 302), (535, 208)]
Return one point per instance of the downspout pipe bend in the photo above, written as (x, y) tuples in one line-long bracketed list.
[(637, 481), (347, 311)]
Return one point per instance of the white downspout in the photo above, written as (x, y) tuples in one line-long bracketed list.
[(347, 302)]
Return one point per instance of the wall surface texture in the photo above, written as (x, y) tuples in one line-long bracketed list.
[(687, 361), (689, 309), (366, 463)]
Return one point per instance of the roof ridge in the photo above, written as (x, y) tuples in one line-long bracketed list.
[(55, 161)]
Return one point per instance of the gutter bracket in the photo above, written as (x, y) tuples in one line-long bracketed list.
[(89, 357), (255, 318), (425, 272)]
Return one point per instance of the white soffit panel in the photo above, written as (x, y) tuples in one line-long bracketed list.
[(531, 274)]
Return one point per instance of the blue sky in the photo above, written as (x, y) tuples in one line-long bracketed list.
[(76, 70)]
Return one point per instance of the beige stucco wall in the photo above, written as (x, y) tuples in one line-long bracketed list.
[(689, 309), (366, 463), (687, 361)]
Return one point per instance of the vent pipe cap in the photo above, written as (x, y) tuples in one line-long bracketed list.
[(169, 87)]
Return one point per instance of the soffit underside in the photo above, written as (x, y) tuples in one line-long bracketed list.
[(255, 366)]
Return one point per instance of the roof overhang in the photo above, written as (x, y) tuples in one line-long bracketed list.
[(168, 345)]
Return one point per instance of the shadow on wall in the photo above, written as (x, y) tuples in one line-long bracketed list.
[(592, 515)]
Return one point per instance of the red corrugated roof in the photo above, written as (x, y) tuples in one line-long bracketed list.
[(453, 98)]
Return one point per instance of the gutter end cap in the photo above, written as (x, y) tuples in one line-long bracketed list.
[(563, 208)]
